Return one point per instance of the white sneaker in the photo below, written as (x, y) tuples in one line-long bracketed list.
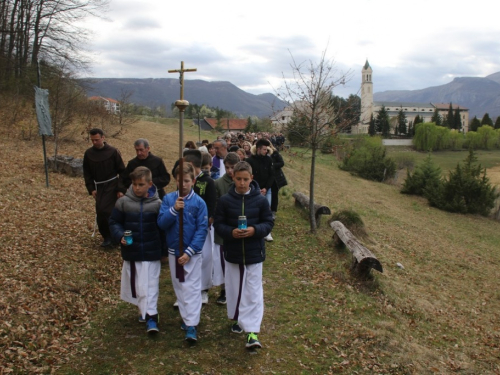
[(176, 303), (268, 238), (204, 297)]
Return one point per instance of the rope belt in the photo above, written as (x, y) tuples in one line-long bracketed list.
[(100, 183)]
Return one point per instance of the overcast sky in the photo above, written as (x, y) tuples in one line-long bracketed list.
[(410, 44)]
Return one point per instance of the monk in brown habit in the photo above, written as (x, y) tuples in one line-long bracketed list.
[(102, 165)]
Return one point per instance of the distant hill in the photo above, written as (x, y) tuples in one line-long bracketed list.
[(480, 95), (153, 92)]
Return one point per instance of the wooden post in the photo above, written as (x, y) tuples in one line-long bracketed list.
[(181, 105)]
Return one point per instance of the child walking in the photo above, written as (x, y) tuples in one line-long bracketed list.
[(244, 250), (204, 186), (185, 269), (222, 186), (137, 212)]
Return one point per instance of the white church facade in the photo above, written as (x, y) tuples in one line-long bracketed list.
[(424, 110)]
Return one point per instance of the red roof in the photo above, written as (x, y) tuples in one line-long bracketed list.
[(234, 123), (102, 98), (446, 106)]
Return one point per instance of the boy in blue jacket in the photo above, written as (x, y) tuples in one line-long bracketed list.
[(244, 250), (137, 212), (185, 270)]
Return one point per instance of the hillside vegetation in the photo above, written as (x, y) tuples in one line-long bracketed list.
[(60, 309)]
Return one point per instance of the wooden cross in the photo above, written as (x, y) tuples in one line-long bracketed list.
[(181, 76), (181, 105)]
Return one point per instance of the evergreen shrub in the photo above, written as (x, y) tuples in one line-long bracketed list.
[(368, 159), (466, 190), (426, 174)]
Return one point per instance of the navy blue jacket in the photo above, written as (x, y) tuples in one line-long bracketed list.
[(139, 215), (256, 208)]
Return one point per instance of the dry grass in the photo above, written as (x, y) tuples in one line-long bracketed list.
[(60, 309)]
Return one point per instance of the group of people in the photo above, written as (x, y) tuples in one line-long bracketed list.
[(212, 229)]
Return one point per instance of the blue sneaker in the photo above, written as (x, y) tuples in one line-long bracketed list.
[(151, 326), (141, 319), (191, 334), (184, 326)]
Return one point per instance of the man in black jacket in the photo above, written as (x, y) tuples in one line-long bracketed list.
[(102, 164), (263, 171), (145, 158)]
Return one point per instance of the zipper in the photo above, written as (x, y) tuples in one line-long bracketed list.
[(243, 214)]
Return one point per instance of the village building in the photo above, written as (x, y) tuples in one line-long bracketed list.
[(111, 105), (225, 124), (424, 110)]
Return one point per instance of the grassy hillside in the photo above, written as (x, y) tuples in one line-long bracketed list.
[(61, 312)]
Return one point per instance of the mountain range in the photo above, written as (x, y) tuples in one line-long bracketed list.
[(479, 95), (154, 92)]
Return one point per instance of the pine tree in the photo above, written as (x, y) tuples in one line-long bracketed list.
[(371, 126), (436, 118), (426, 174), (449, 117), (382, 123), (457, 120), (474, 124), (466, 190), (497, 123), (487, 120), (402, 122)]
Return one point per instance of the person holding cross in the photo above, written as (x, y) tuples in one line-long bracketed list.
[(185, 262)]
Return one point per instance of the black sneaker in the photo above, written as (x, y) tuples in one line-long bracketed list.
[(222, 298), (253, 341), (235, 328)]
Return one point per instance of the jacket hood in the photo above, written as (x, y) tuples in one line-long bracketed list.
[(152, 193), (253, 150), (254, 189)]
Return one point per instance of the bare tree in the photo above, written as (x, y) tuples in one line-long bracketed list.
[(49, 30), (315, 118)]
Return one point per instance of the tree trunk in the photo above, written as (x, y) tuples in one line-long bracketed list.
[(312, 217)]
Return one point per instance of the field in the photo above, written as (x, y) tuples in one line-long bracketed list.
[(60, 310)]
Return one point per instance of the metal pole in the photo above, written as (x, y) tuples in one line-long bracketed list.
[(199, 128)]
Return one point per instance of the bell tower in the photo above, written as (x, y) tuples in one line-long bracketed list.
[(366, 97)]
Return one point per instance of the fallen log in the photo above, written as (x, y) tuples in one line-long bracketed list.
[(363, 259), (302, 201)]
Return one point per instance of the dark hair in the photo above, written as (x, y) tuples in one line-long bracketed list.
[(206, 159), (209, 146), (96, 131), (141, 173), (205, 142), (242, 166), (191, 145), (231, 158), (187, 168), (234, 148), (262, 142), (193, 157)]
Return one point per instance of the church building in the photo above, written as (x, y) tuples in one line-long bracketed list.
[(411, 110)]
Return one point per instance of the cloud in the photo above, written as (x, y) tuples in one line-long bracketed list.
[(141, 23)]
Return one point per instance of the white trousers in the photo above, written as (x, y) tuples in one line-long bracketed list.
[(219, 265), (206, 264), (188, 293), (147, 281), (245, 295)]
